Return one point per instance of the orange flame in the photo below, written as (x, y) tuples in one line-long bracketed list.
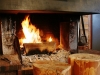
[(50, 39), (30, 31)]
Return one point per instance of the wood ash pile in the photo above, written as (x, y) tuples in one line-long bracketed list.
[(58, 55)]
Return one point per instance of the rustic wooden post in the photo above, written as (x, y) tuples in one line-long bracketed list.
[(85, 64)]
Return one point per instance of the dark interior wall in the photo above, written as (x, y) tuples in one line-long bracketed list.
[(96, 32)]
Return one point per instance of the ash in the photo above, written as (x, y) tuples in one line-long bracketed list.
[(58, 55)]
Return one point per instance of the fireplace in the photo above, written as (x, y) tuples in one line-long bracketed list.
[(59, 12), (57, 19), (61, 28)]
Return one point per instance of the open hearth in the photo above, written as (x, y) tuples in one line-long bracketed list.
[(62, 28), (55, 18)]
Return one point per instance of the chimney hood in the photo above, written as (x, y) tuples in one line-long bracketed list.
[(49, 6)]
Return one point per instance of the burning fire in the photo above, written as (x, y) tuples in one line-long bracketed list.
[(30, 31), (50, 39)]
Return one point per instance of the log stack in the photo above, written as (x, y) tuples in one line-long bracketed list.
[(51, 68), (85, 64)]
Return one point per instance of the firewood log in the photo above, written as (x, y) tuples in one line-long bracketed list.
[(39, 48), (51, 68), (85, 64)]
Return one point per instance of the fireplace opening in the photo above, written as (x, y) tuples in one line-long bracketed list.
[(58, 27)]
